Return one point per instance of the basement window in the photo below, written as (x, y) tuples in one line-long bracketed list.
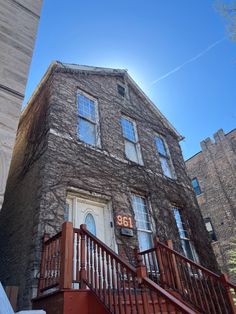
[(121, 90), (132, 148), (87, 128)]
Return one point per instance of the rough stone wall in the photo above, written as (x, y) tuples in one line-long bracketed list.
[(67, 163), (18, 26), (21, 207), (106, 170), (215, 169)]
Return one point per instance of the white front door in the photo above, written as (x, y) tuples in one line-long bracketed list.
[(96, 215)]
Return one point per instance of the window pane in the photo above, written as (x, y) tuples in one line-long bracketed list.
[(141, 213), (208, 226), (187, 249), (90, 222), (86, 107), (121, 90), (131, 151), (128, 129), (161, 146), (165, 167), (145, 240), (180, 224), (196, 186), (87, 132)]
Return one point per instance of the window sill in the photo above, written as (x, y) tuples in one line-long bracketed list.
[(174, 179), (131, 162)]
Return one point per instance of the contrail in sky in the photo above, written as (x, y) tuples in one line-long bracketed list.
[(199, 55)]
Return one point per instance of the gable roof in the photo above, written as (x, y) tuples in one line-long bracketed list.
[(99, 70)]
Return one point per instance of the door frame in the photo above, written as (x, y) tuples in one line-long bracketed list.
[(109, 233)]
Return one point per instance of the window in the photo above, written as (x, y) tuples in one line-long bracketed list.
[(142, 222), (90, 222), (164, 156), (87, 120), (132, 148), (121, 90), (196, 186), (187, 246), (210, 229)]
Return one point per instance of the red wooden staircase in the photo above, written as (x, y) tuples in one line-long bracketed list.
[(81, 275)]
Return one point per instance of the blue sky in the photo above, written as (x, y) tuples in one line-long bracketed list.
[(177, 51)]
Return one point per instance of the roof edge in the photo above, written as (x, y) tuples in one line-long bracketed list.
[(37, 90), (78, 67), (163, 118)]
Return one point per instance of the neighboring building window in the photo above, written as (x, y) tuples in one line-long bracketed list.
[(210, 229), (132, 148), (164, 155), (87, 120), (121, 90), (196, 186), (187, 246), (143, 224)]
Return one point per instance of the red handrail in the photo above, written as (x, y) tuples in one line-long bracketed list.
[(205, 290), (121, 287), (168, 281)]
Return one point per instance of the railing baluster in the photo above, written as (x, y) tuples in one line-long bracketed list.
[(91, 262), (152, 304), (95, 266), (108, 278), (120, 301), (136, 290), (129, 292), (123, 278), (114, 289), (99, 272), (77, 261), (104, 286)]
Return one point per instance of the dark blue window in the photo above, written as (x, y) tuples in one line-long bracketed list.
[(196, 186)]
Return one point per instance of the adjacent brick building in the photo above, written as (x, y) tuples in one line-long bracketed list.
[(213, 174), (92, 148), (18, 26)]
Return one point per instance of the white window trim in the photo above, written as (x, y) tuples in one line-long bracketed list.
[(169, 158), (97, 125), (137, 144)]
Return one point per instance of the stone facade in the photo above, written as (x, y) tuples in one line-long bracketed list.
[(18, 26), (215, 169), (50, 162)]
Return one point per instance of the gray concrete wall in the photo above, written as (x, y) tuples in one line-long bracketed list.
[(215, 169), (18, 25)]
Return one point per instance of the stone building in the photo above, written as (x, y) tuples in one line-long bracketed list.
[(92, 148), (18, 26), (213, 174)]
